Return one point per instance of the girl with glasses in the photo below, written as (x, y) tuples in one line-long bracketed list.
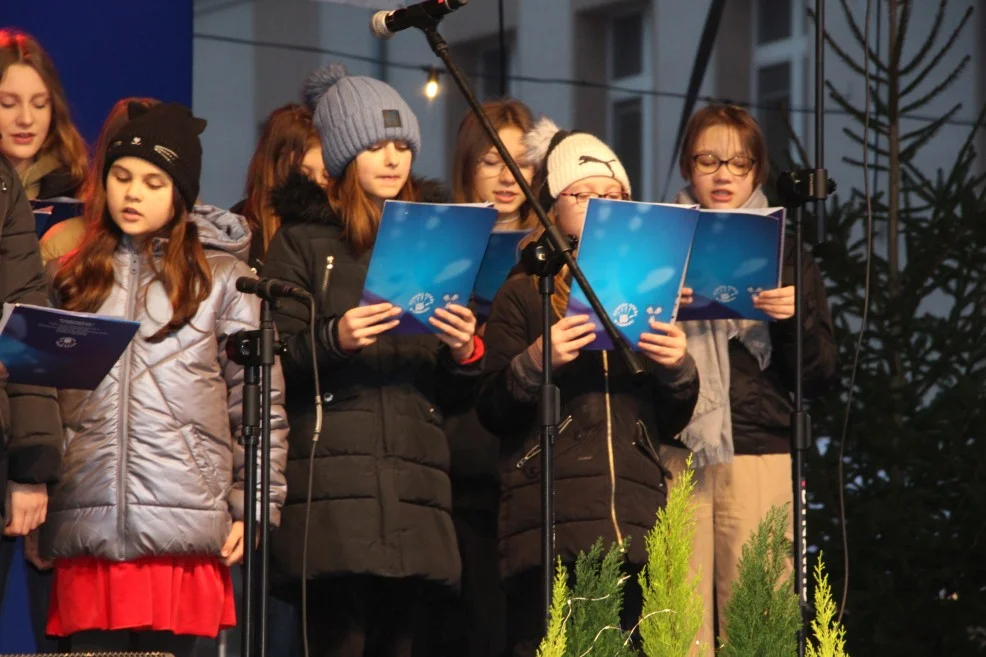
[(609, 479), (740, 434)]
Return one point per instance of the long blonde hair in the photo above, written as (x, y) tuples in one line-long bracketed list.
[(63, 139)]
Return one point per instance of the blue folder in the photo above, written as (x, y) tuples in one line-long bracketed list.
[(61, 349), (736, 254), (502, 255), (634, 255), (50, 211), (426, 256)]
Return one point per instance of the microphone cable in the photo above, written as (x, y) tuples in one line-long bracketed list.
[(317, 430), (864, 320)]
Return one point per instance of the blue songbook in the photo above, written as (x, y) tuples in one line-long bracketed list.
[(736, 254), (502, 255), (50, 211), (59, 348), (426, 256), (634, 255)]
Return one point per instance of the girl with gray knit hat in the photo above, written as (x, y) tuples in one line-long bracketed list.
[(609, 479), (381, 533)]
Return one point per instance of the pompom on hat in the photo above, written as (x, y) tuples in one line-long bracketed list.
[(565, 157)]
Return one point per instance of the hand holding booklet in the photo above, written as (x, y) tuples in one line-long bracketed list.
[(736, 254), (59, 348), (426, 256), (634, 256)]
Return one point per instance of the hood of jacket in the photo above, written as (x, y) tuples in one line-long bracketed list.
[(223, 230)]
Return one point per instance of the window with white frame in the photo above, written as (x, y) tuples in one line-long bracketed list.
[(779, 80), (630, 121)]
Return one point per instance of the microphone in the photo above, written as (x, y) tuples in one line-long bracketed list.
[(271, 288), (386, 24)]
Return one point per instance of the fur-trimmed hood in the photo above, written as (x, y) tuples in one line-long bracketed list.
[(300, 200)]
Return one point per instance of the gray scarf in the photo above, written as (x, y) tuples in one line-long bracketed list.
[(709, 435)]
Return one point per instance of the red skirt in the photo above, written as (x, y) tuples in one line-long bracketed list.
[(184, 595)]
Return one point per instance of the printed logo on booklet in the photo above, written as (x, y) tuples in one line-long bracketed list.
[(421, 303), (625, 315), (725, 293), (66, 342)]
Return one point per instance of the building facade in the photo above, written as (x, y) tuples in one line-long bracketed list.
[(617, 68)]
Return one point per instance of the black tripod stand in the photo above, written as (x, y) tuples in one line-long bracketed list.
[(796, 189), (255, 351)]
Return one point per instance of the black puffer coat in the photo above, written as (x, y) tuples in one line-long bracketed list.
[(381, 493), (609, 480), (30, 424)]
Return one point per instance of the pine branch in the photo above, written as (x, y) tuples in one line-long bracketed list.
[(929, 41), (938, 56), (672, 608), (597, 599), (907, 153), (938, 89), (830, 636), (553, 644), (763, 615), (858, 36)]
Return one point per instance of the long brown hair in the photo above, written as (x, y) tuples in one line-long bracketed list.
[(63, 139), (85, 278), (94, 191), (472, 143), (731, 116), (360, 215), (288, 134)]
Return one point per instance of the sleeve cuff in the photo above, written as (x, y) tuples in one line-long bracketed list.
[(39, 464), (330, 335), (526, 371), (478, 351), (676, 376)]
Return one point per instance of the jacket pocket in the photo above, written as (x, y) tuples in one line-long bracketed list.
[(208, 473), (530, 463)]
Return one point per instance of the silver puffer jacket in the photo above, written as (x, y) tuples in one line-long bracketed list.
[(151, 464)]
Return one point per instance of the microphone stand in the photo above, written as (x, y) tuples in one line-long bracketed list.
[(796, 189), (552, 252), (255, 351)]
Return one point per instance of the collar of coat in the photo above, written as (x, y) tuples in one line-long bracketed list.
[(300, 200)]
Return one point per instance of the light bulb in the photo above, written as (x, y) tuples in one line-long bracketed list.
[(431, 87)]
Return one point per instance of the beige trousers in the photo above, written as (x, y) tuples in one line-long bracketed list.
[(730, 501)]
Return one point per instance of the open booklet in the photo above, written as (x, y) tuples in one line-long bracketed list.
[(634, 255), (736, 254), (50, 211), (59, 348), (426, 256), (502, 255)]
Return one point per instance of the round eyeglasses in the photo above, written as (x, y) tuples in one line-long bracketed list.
[(738, 165)]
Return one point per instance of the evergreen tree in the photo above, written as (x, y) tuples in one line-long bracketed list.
[(672, 610), (763, 615), (915, 449)]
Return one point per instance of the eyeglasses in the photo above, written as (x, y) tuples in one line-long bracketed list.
[(739, 165), (581, 198), (492, 168)]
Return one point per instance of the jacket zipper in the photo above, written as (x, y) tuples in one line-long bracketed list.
[(125, 399), (327, 276), (609, 449), (534, 451)]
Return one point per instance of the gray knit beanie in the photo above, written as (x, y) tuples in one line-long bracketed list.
[(352, 113)]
